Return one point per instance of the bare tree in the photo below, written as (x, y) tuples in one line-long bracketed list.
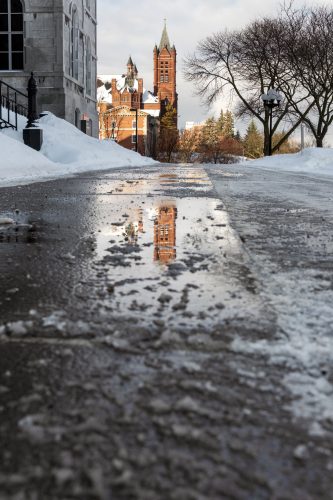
[(309, 56), (250, 61)]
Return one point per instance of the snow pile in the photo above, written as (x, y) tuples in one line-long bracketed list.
[(310, 160), (18, 162), (64, 143), (65, 151)]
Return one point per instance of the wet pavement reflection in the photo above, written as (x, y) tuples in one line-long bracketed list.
[(155, 247), (169, 259), (165, 231), (117, 373)]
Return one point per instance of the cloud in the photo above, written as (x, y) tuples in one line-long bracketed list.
[(126, 28)]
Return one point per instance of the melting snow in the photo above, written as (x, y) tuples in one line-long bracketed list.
[(65, 151)]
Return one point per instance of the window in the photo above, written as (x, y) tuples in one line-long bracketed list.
[(133, 138), (162, 78), (166, 78), (134, 124), (74, 67), (11, 35), (88, 67)]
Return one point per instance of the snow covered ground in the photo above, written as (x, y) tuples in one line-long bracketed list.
[(311, 161), (283, 210), (65, 151)]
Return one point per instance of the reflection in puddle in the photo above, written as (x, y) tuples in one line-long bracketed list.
[(132, 229), (17, 231), (167, 259), (165, 234)]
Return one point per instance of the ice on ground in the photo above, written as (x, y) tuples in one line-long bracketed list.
[(304, 349), (65, 151), (310, 160)]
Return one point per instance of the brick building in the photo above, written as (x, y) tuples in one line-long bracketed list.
[(57, 41), (165, 72), (128, 113), (123, 98), (165, 234)]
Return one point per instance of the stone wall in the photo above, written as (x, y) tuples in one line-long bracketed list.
[(48, 53)]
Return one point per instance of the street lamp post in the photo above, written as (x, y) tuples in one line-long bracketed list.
[(136, 128), (32, 134), (271, 100)]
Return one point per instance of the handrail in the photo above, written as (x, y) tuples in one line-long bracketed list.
[(9, 101), (13, 88)]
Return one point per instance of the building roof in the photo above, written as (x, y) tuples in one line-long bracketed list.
[(104, 91), (165, 41), (130, 62)]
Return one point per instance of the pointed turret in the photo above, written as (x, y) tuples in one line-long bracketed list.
[(130, 62), (165, 42)]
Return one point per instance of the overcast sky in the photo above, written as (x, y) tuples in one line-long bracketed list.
[(129, 28)]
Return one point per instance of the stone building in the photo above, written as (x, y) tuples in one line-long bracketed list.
[(56, 39)]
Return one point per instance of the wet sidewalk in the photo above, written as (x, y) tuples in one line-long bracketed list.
[(120, 297)]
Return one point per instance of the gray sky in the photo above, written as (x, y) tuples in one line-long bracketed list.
[(129, 28)]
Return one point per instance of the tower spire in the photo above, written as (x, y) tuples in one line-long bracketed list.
[(165, 42)]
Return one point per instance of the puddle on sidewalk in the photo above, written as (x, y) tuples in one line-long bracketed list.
[(134, 251), (172, 178), (169, 261)]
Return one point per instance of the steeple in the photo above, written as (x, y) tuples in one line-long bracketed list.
[(165, 42), (165, 72)]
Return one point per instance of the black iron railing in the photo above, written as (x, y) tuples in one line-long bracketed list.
[(12, 103)]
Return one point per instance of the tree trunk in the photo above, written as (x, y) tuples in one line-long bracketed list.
[(319, 141)]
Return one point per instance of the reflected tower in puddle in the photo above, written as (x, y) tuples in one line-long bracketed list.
[(165, 234)]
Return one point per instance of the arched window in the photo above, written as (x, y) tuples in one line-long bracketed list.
[(74, 67), (88, 66), (11, 35)]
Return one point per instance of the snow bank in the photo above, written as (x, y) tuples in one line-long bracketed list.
[(21, 164), (65, 151), (64, 143), (310, 160)]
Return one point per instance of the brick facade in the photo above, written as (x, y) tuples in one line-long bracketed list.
[(165, 234), (120, 96), (165, 72)]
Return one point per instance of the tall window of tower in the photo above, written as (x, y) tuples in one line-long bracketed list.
[(11, 35), (74, 67)]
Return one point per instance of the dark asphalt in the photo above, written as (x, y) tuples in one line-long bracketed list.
[(121, 295)]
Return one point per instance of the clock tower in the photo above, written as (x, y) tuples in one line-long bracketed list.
[(165, 60)]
